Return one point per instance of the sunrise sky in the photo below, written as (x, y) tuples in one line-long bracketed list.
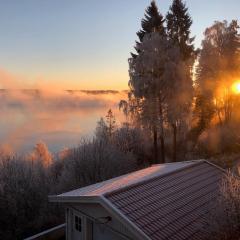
[(81, 44)]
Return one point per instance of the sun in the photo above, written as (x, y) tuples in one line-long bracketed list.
[(236, 87)]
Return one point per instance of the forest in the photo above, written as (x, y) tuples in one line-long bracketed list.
[(183, 104)]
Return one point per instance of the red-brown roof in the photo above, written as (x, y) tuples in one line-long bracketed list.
[(117, 183), (172, 205), (163, 202)]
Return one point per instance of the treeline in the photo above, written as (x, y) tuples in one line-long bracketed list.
[(26, 181), (186, 98)]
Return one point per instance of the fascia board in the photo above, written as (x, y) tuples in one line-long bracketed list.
[(73, 199)]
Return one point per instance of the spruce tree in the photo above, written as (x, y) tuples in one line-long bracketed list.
[(111, 122), (179, 23), (178, 32), (153, 22)]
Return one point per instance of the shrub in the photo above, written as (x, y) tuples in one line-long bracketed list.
[(224, 219)]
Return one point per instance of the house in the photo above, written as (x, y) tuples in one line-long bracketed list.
[(166, 201)]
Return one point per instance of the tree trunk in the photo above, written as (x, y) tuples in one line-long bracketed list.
[(155, 145), (162, 149), (174, 153), (162, 134)]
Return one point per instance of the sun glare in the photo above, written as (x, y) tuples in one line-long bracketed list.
[(236, 87)]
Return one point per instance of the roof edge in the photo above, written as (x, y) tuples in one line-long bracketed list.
[(123, 219), (216, 166), (73, 199)]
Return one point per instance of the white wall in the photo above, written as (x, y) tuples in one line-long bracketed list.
[(95, 213), (101, 232)]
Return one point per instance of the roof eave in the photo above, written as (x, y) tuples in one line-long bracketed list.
[(73, 199)]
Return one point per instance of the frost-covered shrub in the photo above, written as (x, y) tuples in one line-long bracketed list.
[(133, 140), (224, 219), (94, 161), (24, 207)]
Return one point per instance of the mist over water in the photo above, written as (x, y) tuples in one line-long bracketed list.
[(57, 118)]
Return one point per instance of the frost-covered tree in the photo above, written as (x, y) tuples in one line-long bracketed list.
[(101, 131), (41, 154), (153, 22), (24, 206), (217, 69), (179, 25), (106, 127), (179, 97), (158, 78), (131, 139), (111, 123), (145, 83)]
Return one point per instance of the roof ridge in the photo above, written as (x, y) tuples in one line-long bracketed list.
[(172, 163)]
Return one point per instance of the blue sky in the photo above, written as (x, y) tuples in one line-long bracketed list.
[(83, 44)]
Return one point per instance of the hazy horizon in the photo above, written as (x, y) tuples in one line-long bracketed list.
[(57, 118)]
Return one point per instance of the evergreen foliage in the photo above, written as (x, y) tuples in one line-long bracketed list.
[(179, 23), (153, 22)]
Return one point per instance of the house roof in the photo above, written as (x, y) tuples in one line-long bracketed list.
[(102, 188), (168, 201)]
